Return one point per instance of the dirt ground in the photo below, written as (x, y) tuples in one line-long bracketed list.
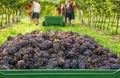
[(116, 37)]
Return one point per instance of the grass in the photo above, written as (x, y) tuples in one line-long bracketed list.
[(111, 29), (25, 26)]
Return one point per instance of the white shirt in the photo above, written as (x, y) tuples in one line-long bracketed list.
[(36, 7)]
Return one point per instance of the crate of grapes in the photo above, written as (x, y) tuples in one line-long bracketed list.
[(53, 20), (56, 54)]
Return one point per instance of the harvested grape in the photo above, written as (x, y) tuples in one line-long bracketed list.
[(56, 50)]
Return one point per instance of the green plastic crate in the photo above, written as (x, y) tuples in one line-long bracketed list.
[(53, 20), (59, 73)]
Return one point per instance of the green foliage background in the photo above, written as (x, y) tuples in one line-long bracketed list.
[(47, 7)]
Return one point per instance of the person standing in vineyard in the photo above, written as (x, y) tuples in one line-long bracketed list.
[(56, 12), (36, 14), (69, 12), (29, 10), (59, 8), (63, 10), (70, 7)]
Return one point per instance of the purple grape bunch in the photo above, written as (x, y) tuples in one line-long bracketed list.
[(56, 50)]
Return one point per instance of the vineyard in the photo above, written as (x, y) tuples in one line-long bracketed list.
[(102, 14), (95, 35), (12, 11)]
